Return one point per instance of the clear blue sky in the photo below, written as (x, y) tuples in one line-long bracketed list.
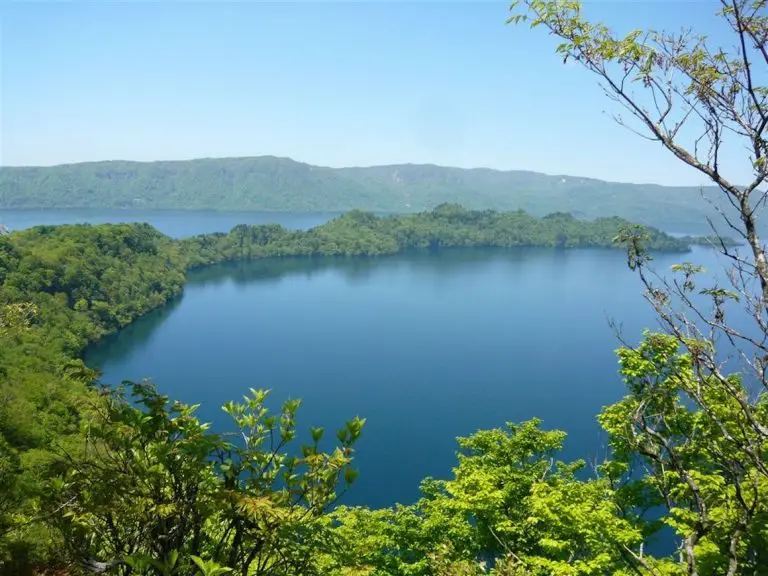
[(337, 84)]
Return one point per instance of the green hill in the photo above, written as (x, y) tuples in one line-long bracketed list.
[(267, 183)]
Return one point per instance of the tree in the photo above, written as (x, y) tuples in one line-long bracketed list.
[(511, 509), (156, 493), (15, 318), (705, 464)]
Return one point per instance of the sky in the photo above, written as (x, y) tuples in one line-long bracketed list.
[(333, 84)]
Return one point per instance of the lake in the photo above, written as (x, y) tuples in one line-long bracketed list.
[(426, 347)]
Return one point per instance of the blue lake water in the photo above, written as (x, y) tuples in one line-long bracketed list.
[(426, 347)]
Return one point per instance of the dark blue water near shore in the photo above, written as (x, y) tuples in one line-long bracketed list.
[(426, 347)]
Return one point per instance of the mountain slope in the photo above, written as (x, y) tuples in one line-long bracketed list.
[(281, 184)]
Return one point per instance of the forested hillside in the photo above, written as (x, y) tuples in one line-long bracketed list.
[(61, 288), (281, 184)]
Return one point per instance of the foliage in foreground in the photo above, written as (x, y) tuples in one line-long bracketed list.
[(155, 491)]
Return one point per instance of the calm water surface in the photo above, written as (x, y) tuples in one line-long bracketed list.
[(426, 347)]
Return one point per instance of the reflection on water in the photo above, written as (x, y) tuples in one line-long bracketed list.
[(133, 338), (354, 269)]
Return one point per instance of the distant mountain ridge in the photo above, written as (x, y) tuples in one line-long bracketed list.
[(269, 183)]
